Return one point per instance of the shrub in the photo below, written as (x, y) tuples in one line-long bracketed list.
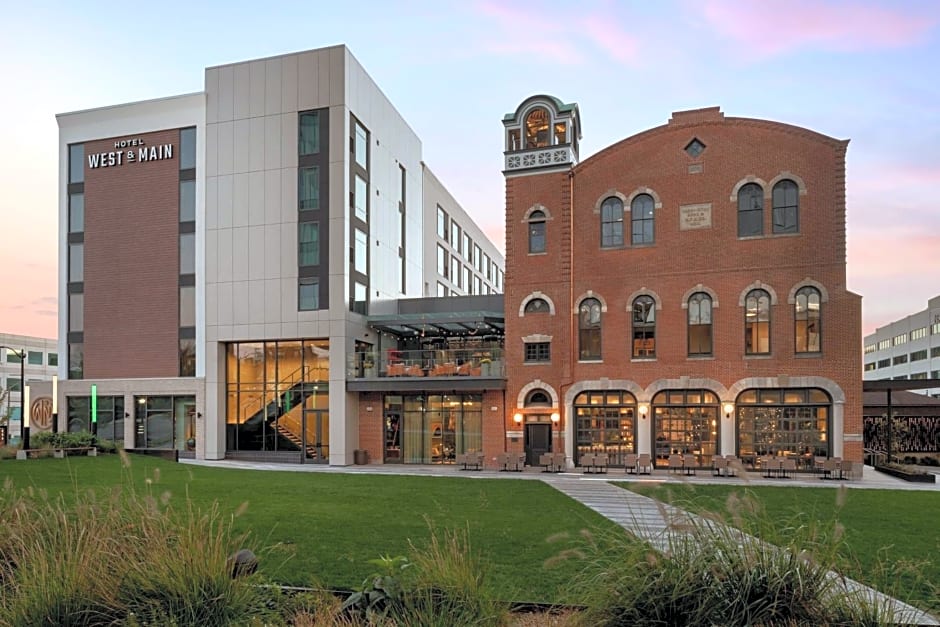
[(118, 557)]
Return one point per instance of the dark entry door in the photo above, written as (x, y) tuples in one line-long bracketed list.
[(316, 436), (538, 440)]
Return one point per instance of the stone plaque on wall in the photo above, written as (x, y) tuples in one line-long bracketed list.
[(695, 216)]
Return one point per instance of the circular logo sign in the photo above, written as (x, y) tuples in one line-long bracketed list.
[(40, 413)]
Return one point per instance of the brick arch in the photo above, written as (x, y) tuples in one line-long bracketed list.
[(603, 384), (657, 201), (699, 288), (644, 292), (784, 175), (830, 386), (686, 383), (608, 194), (589, 294), (533, 296), (757, 285), (536, 207), (808, 282), (536, 384), (750, 178)]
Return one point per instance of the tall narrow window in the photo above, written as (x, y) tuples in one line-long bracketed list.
[(641, 212), (612, 222), (700, 324), (76, 213), (361, 253), (309, 192), (361, 199), (644, 327), (589, 329), (361, 148), (537, 232), (309, 133), (442, 223), (808, 321), (786, 207), (309, 244), (750, 210), (76, 263), (77, 163), (187, 253), (757, 323), (308, 297)]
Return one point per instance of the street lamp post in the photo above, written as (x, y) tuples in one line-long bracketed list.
[(22, 356)]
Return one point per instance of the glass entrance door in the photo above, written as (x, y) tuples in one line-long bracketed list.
[(316, 436)]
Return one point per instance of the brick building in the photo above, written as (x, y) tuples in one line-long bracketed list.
[(683, 291)]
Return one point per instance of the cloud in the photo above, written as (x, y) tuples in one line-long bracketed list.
[(47, 312), (44, 300), (556, 36), (774, 27)]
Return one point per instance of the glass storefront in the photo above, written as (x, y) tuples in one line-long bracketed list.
[(606, 423), (788, 422), (278, 397), (685, 423), (432, 429), (110, 416), (165, 422)]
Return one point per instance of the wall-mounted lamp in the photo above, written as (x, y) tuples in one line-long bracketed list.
[(198, 414), (729, 409), (127, 414), (644, 410), (369, 408), (517, 418), (556, 417)]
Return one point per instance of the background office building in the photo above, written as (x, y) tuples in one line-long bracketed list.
[(41, 364), (683, 291), (906, 349), (221, 253)]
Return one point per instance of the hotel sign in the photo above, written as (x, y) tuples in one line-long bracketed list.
[(130, 151)]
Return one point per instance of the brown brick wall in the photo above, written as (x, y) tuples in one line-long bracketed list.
[(371, 429), (132, 263), (679, 260)]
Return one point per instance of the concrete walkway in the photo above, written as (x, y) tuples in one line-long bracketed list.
[(641, 516)]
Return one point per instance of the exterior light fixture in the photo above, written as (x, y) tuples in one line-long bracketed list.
[(729, 409), (517, 418), (644, 410), (556, 417)]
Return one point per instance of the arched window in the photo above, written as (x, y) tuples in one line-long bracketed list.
[(606, 423), (644, 327), (612, 223), (537, 232), (538, 398), (757, 323), (789, 421), (700, 324), (537, 305), (808, 321), (589, 329), (537, 125), (685, 422), (786, 198), (750, 210), (641, 214)]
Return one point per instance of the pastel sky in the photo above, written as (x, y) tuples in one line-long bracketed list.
[(865, 71)]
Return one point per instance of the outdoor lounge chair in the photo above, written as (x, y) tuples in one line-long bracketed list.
[(629, 463), (644, 464)]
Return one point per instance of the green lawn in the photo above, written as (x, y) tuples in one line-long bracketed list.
[(321, 528), (883, 528)]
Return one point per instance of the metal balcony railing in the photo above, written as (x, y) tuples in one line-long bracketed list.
[(427, 363)]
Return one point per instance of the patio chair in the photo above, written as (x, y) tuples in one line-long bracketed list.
[(600, 462), (734, 466), (587, 463), (847, 469), (519, 462), (545, 461), (558, 461), (830, 468), (675, 463), (502, 460), (644, 464), (787, 466), (629, 463), (719, 466)]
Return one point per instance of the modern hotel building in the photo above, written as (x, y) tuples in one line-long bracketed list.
[(222, 252)]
